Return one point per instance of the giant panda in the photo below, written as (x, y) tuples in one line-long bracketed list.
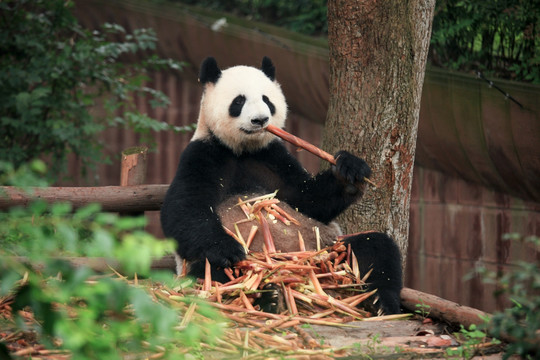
[(231, 155)]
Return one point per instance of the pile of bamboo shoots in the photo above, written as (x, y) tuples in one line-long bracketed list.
[(307, 278), (322, 287)]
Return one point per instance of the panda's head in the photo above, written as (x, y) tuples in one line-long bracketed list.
[(238, 103)]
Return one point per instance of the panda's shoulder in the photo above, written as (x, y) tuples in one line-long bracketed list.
[(203, 150)]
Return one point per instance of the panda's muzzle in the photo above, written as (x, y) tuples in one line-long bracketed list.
[(258, 125), (259, 121)]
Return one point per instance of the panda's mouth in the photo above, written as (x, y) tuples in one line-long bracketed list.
[(257, 130)]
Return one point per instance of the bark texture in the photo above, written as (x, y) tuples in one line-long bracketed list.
[(378, 52)]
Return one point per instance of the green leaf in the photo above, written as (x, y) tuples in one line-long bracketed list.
[(87, 211)]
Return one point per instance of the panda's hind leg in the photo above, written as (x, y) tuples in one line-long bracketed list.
[(379, 252)]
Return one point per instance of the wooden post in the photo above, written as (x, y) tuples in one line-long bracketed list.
[(133, 170)]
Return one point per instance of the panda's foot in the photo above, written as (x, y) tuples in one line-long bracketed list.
[(384, 302), (272, 299)]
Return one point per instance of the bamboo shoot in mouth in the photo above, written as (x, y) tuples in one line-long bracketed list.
[(296, 141)]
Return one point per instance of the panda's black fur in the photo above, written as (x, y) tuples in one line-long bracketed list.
[(231, 155)]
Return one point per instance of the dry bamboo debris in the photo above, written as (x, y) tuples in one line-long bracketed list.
[(304, 277), (318, 287), (323, 285)]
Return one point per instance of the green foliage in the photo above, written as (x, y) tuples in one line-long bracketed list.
[(470, 339), (521, 322), (422, 309), (500, 37), (93, 315), (303, 16), (53, 72), (28, 174)]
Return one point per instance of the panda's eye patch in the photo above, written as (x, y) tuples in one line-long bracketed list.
[(270, 104), (235, 109), (239, 100)]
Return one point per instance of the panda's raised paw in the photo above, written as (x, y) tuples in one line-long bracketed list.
[(351, 168)]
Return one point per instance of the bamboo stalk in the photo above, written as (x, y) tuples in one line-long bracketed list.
[(284, 213), (306, 146), (312, 343), (301, 143), (267, 235), (301, 243), (207, 285), (288, 292)]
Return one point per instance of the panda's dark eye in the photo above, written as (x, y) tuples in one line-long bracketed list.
[(235, 109), (239, 100), (271, 106)]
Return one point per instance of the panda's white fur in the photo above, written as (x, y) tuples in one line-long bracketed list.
[(238, 133)]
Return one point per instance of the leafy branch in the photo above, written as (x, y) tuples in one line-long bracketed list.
[(55, 74)]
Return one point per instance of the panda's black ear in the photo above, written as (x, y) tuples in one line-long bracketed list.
[(210, 71), (268, 68)]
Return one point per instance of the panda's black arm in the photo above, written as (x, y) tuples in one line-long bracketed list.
[(188, 212), (323, 196)]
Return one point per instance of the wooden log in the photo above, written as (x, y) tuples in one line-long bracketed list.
[(442, 309), (103, 265), (453, 313), (133, 166), (112, 198)]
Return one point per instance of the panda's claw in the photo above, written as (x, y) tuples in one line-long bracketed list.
[(272, 299)]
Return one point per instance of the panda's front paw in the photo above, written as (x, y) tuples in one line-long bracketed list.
[(225, 252), (351, 168)]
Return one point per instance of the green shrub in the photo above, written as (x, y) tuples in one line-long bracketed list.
[(500, 38), (92, 315), (521, 322), (55, 74)]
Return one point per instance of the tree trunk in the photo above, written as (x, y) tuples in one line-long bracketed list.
[(378, 52)]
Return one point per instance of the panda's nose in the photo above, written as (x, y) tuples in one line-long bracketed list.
[(259, 121)]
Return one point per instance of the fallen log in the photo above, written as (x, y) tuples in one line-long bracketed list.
[(445, 310), (112, 198), (101, 264)]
